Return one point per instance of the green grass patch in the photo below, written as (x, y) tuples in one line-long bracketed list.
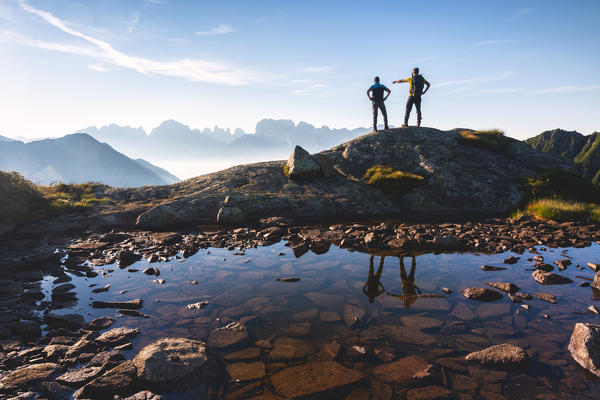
[(286, 170), (492, 139), (392, 181), (556, 183), (562, 210), (560, 196), (24, 201)]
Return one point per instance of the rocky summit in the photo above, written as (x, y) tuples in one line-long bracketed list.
[(458, 180)]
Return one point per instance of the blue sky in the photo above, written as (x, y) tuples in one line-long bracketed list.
[(523, 66)]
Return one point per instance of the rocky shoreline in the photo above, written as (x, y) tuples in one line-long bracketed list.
[(73, 355)]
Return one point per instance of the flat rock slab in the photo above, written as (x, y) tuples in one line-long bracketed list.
[(227, 336), (79, 377), (289, 349), (463, 312), (117, 336), (548, 278), (405, 371), (352, 315), (306, 379), (175, 364), (28, 378), (584, 347), (246, 371), (481, 294), (131, 304), (99, 324), (121, 380), (421, 322), (429, 393), (546, 297), (501, 355), (504, 286), (246, 354)]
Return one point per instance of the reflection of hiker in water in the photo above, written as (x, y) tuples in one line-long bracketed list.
[(410, 292), (371, 287)]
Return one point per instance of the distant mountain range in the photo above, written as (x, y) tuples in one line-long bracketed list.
[(78, 158), (583, 150), (174, 140)]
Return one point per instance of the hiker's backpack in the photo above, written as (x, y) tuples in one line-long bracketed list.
[(418, 82)]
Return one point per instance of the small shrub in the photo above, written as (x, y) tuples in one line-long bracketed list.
[(492, 139), (286, 170), (392, 181)]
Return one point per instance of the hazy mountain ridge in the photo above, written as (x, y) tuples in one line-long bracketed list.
[(583, 150), (172, 139), (78, 158)]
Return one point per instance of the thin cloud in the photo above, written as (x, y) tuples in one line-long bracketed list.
[(567, 89), (301, 81), (497, 91), (495, 42), (311, 90), (322, 68), (98, 68), (523, 12), (131, 22), (191, 69), (478, 80), (218, 30)]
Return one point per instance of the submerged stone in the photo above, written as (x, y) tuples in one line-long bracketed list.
[(313, 378), (501, 355), (175, 364)]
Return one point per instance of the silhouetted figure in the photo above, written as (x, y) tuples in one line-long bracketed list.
[(417, 82), (371, 287), (375, 94), (410, 292)]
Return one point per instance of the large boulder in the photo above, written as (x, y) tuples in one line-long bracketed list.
[(175, 364), (117, 336), (501, 355), (301, 165), (585, 346)]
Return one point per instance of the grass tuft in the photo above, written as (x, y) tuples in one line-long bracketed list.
[(24, 201), (564, 210), (392, 181), (560, 196), (286, 170), (492, 139)]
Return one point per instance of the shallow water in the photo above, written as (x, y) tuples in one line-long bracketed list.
[(396, 323)]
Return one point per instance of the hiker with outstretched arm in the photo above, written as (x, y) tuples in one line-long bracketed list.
[(375, 94), (417, 83)]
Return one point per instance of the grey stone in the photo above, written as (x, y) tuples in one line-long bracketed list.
[(301, 165)]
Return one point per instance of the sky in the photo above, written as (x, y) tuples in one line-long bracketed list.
[(521, 66)]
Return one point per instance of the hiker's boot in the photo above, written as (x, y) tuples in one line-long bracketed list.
[(418, 123), (386, 127), (405, 125)]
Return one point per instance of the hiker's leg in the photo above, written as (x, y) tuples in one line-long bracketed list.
[(374, 115), (409, 104), (417, 101), (384, 113)]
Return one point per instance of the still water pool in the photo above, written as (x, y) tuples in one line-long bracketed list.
[(364, 311)]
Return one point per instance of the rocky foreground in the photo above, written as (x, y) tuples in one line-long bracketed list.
[(87, 358)]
